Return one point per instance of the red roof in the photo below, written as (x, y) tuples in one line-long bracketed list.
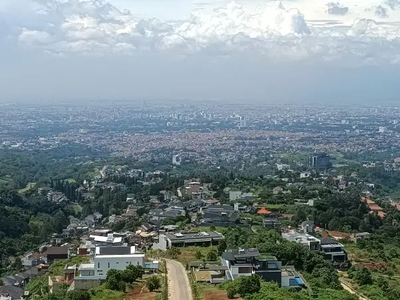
[(264, 211)]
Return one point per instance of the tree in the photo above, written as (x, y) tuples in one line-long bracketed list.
[(114, 280), (212, 255), (231, 290), (199, 255), (131, 273), (153, 283), (173, 252), (78, 295), (221, 247), (363, 276), (248, 285)]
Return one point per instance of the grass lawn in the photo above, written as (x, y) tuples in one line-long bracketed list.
[(29, 186)]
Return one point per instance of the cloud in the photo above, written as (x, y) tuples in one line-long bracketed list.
[(337, 9), (381, 11), (393, 4), (95, 27)]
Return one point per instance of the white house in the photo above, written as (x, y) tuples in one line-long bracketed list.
[(238, 195), (107, 258)]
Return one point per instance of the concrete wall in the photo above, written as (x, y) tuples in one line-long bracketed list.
[(285, 280), (86, 284)]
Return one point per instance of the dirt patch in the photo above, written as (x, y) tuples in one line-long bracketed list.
[(216, 295), (140, 292), (373, 266)]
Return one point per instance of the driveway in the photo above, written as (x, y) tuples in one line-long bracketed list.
[(178, 281)]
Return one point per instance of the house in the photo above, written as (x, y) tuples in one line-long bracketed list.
[(208, 271), (281, 167), (16, 280), (307, 227), (333, 250), (11, 293), (106, 258), (32, 259), (57, 238), (277, 190), (238, 195), (245, 262), (56, 253), (291, 278), (263, 211), (272, 223), (186, 239), (55, 283), (221, 215), (307, 240), (305, 175), (355, 237), (157, 215)]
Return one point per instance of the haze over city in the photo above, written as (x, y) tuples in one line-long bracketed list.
[(296, 51)]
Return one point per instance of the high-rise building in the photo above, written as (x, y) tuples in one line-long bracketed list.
[(176, 160), (320, 160), (242, 122)]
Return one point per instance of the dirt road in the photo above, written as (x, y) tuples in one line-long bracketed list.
[(178, 281), (351, 290)]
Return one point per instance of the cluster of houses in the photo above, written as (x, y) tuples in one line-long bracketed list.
[(107, 250)]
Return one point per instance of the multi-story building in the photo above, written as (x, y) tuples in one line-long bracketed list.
[(246, 262), (307, 240), (320, 160), (107, 258), (333, 250), (185, 239), (239, 195)]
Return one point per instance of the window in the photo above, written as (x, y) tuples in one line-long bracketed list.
[(108, 264), (137, 263), (117, 262), (98, 265)]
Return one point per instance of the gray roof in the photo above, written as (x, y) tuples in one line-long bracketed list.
[(13, 291), (57, 250), (116, 250), (194, 236), (328, 241), (200, 263), (243, 253)]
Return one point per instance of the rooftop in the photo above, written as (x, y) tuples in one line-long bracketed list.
[(302, 238), (86, 267), (233, 254), (194, 235), (121, 250)]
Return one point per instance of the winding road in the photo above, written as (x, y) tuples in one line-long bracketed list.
[(178, 281)]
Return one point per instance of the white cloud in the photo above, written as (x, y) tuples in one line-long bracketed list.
[(274, 30), (35, 38), (337, 8)]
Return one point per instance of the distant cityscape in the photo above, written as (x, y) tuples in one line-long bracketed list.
[(199, 131)]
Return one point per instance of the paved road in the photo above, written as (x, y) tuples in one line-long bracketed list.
[(178, 282)]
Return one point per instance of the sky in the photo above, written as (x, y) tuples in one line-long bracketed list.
[(264, 51)]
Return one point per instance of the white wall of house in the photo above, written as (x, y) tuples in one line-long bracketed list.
[(104, 263), (285, 280), (235, 195)]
